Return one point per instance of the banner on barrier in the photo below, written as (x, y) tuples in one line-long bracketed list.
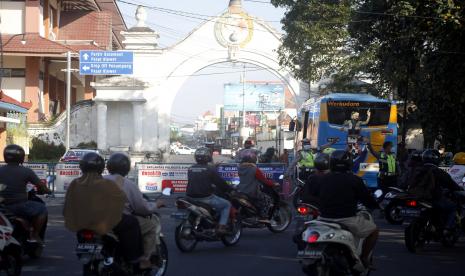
[(154, 178)]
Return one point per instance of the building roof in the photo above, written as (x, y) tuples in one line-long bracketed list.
[(10, 104), (86, 25), (35, 45)]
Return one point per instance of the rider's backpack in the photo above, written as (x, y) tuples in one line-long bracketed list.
[(422, 184)]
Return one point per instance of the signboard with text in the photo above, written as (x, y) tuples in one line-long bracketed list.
[(106, 62), (258, 97)]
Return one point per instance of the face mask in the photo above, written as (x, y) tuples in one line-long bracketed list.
[(306, 147)]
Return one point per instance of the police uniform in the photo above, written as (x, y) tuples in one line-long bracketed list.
[(387, 176)]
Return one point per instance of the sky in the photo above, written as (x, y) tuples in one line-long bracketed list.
[(205, 90)]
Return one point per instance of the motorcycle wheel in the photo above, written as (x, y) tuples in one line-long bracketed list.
[(414, 235), (162, 258), (12, 262), (317, 269), (281, 219), (235, 236), (183, 244), (392, 214)]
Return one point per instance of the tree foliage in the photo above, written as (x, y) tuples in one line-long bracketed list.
[(414, 44)]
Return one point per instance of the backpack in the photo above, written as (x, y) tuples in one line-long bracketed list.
[(422, 183)]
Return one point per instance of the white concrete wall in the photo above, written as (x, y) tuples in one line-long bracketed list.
[(14, 87), (83, 127), (41, 21), (119, 124), (12, 14)]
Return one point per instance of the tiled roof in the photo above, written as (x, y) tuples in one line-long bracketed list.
[(7, 99), (86, 25), (35, 44)]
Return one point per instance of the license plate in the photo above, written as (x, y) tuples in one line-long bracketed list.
[(309, 254), (179, 215), (88, 248), (409, 212)]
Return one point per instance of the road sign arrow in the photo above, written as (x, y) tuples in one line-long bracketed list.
[(85, 67), (85, 56)]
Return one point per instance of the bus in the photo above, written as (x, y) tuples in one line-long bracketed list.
[(352, 119)]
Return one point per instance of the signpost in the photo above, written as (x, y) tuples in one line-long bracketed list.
[(106, 62)]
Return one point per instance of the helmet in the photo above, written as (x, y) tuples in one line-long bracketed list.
[(203, 155), (119, 163), (431, 156), (322, 162), (417, 156), (340, 161), (92, 162), (13, 154), (248, 144), (459, 158), (248, 156)]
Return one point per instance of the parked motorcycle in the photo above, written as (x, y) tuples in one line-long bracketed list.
[(329, 249), (102, 255), (428, 223), (279, 212), (10, 248), (199, 222)]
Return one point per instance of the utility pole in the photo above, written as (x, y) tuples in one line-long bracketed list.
[(68, 98), (243, 102)]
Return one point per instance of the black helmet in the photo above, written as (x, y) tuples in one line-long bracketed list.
[(340, 161), (322, 162), (119, 163), (92, 162), (431, 156), (248, 156), (417, 156), (13, 154), (203, 155), (248, 144)]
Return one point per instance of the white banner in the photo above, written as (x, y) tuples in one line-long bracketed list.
[(153, 178)]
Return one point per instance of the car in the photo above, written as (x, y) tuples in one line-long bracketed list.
[(74, 155), (184, 150)]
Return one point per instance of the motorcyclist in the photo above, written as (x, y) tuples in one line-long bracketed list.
[(118, 166), (95, 203), (16, 177), (414, 163), (441, 181), (201, 184), (269, 156), (457, 171), (248, 144), (338, 193), (322, 168), (253, 181)]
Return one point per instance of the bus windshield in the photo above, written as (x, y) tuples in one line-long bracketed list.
[(339, 112)]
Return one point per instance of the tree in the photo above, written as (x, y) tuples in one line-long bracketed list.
[(411, 45)]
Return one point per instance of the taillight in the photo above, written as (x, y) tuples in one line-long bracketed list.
[(313, 237), (411, 203), (303, 210), (88, 235)]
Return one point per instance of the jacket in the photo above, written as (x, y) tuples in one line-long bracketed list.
[(251, 178), (203, 180), (93, 203)]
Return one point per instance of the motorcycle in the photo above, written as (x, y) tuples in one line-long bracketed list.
[(305, 212), (393, 203), (427, 223), (296, 193), (102, 255), (199, 222), (10, 248), (279, 211), (329, 249)]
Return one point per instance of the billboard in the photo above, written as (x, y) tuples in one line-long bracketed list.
[(258, 97)]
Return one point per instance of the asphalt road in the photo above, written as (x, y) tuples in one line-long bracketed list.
[(258, 253)]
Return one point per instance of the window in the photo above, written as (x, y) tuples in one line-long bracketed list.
[(13, 72), (340, 112)]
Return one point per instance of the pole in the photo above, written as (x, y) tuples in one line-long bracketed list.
[(243, 103), (68, 98), (1, 56)]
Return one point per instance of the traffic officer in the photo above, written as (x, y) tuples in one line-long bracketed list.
[(388, 166)]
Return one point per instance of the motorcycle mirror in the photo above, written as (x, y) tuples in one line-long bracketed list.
[(281, 177), (2, 187), (378, 193), (166, 191)]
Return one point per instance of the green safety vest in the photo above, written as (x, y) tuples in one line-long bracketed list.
[(387, 164), (307, 159)]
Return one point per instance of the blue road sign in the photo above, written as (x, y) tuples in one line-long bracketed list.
[(106, 62)]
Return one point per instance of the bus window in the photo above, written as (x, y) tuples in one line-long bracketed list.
[(340, 112)]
